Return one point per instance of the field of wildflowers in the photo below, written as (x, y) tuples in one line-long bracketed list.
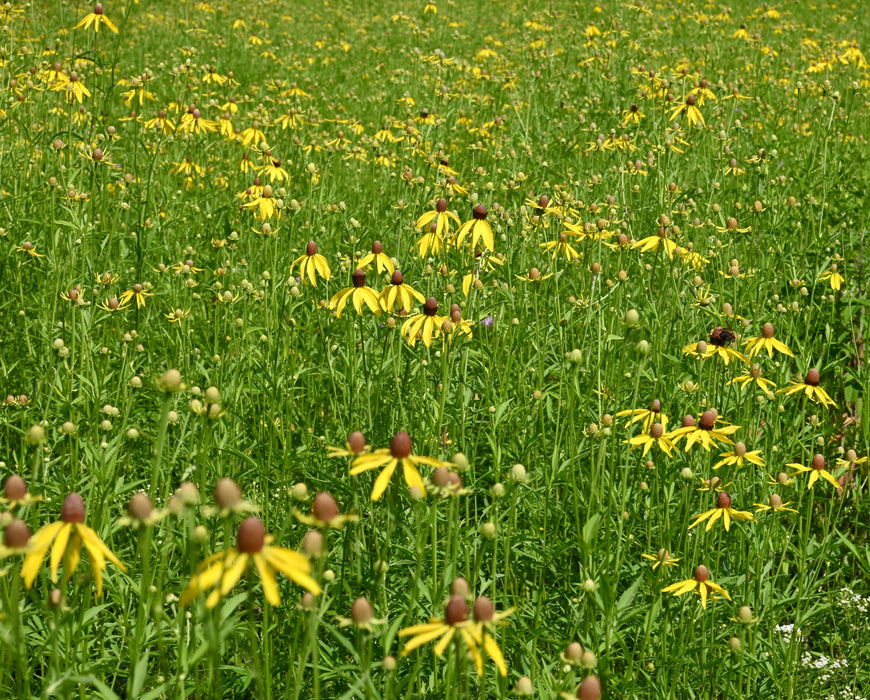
[(434, 350)]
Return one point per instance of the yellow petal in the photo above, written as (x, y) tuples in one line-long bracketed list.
[(233, 573), (58, 548), (267, 577), (444, 641), (495, 653), (383, 480)]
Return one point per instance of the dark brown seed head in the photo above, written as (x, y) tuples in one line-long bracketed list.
[(701, 573), (401, 445), (818, 462), (430, 308), (690, 100), (456, 316), (688, 421), (656, 431), (356, 441), (324, 507), (812, 378), (767, 330), (361, 611), (479, 212), (359, 278), (15, 488), (708, 419), (590, 689), (252, 535), (137, 288), (311, 248), (397, 278), (723, 500), (543, 201), (441, 205), (227, 493), (73, 509), (17, 534), (377, 248), (656, 406), (140, 506), (456, 610), (483, 609), (98, 8)]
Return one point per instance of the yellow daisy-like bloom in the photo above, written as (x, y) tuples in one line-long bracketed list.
[(661, 558), (816, 469), (312, 264), (733, 226), (534, 276), (833, 276), (397, 292), (755, 377), (649, 415), (561, 247), (440, 216), (65, 539), (455, 620), (722, 510), (15, 493), (851, 459), (359, 293), (220, 572), (325, 514), (689, 108), (16, 537), (382, 262), (656, 436), (738, 456), (781, 479), (399, 453), (478, 228), (703, 432), (718, 345), (137, 292), (95, 19), (27, 247), (775, 504), (264, 203), (355, 445), (659, 240), (426, 325), (766, 341), (485, 621), (701, 581), (810, 386)]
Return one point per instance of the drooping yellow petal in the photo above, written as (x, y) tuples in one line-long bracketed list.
[(495, 653), (702, 589), (424, 638), (444, 641), (233, 573), (92, 539), (412, 477), (267, 577), (383, 480), (58, 548), (293, 565)]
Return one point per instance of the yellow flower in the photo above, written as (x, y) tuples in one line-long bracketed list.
[(380, 259), (65, 539), (775, 504), (647, 415), (15, 493), (754, 375), (485, 621), (738, 456), (656, 436), (700, 580), (703, 432), (399, 292), (426, 325), (561, 247), (661, 558), (455, 620), (137, 292), (719, 345), (689, 108), (220, 572), (178, 315), (16, 537), (816, 469), (264, 203), (766, 341), (312, 264), (833, 276), (478, 228), (27, 247), (659, 240), (810, 386), (732, 226), (440, 216), (722, 510), (96, 18), (359, 293), (325, 514), (399, 453)]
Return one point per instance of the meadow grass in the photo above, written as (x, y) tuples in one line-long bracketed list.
[(604, 435)]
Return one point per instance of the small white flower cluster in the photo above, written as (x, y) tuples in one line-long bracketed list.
[(850, 599), (787, 630), (826, 667), (845, 694)]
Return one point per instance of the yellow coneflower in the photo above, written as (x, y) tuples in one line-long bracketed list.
[(754, 376), (833, 276), (775, 504), (325, 513), (661, 558), (738, 456), (95, 19), (722, 510), (690, 109), (399, 293), (455, 620), (65, 539), (659, 240), (703, 431), (718, 345), (28, 247), (478, 228), (425, 325), (313, 264), (220, 572), (440, 216), (15, 493), (701, 581), (656, 436), (359, 294), (398, 453), (16, 538), (810, 387), (485, 619), (561, 247), (381, 259), (137, 292), (766, 341), (816, 469), (647, 415), (355, 445)]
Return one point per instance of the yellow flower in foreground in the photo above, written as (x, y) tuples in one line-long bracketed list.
[(455, 620), (220, 572), (661, 558), (399, 453), (485, 620), (810, 386), (816, 469), (379, 257), (656, 436), (659, 240), (399, 293), (359, 293), (700, 580), (313, 263), (65, 539), (766, 341), (426, 325), (835, 278), (722, 510), (440, 216), (689, 108), (704, 432), (775, 504), (738, 456), (754, 376), (478, 228), (96, 18)]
